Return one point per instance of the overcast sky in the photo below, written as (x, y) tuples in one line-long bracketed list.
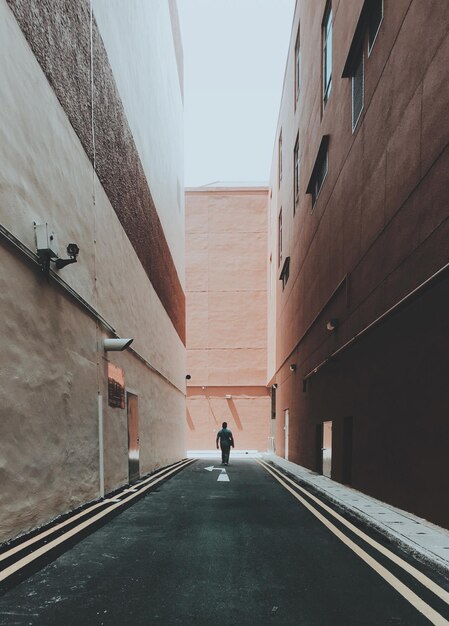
[(234, 60)]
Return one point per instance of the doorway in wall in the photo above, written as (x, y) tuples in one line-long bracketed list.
[(286, 420), (132, 405), (347, 450), (326, 448)]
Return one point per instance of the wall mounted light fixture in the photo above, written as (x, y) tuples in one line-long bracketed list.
[(332, 324), (116, 345)]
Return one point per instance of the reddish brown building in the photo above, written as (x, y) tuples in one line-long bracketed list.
[(226, 292), (359, 228)]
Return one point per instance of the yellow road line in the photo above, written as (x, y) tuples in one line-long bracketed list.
[(419, 604), (8, 571), (53, 529), (419, 576)]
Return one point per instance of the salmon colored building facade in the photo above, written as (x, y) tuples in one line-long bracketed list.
[(358, 236), (226, 247)]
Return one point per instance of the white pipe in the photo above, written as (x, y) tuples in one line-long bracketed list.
[(100, 445)]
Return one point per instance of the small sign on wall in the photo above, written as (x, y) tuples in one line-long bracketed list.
[(116, 386)]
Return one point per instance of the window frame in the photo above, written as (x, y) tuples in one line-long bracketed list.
[(285, 272), (355, 122), (326, 36), (317, 190), (297, 66), (321, 165), (296, 174)]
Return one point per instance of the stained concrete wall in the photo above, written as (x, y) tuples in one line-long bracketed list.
[(375, 234), (53, 367), (226, 315)]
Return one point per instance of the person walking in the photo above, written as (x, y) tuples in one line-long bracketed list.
[(226, 441)]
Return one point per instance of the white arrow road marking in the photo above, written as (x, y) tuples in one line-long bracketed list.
[(222, 476)]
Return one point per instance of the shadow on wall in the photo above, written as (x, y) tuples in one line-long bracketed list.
[(190, 420), (212, 411), (234, 413)]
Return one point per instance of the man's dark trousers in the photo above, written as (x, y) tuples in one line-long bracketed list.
[(225, 450)]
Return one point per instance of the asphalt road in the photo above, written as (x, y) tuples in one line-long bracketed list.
[(197, 550)]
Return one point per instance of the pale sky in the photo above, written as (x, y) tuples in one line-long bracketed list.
[(234, 60)]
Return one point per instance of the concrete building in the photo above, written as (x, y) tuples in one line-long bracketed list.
[(358, 236), (226, 244), (91, 154)]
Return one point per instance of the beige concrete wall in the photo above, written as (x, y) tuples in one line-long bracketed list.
[(52, 365), (226, 315)]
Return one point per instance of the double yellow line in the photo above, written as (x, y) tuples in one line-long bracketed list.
[(134, 492), (408, 594)]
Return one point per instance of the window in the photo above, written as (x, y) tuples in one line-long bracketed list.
[(280, 157), (375, 17), (297, 69), (280, 237), (296, 164), (285, 272), (319, 171), (319, 179), (367, 27), (327, 53), (358, 84)]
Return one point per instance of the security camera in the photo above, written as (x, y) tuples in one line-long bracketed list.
[(72, 251), (116, 345)]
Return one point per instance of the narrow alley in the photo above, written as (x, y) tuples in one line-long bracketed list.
[(254, 549)]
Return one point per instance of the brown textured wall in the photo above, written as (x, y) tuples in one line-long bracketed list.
[(378, 229), (60, 39)]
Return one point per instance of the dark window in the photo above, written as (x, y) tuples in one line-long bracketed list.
[(280, 237), (297, 68), (296, 165), (327, 53), (358, 84), (375, 16), (285, 272), (319, 170), (273, 402), (319, 179)]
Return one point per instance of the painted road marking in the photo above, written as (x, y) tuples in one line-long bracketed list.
[(419, 576), (222, 477), (8, 571), (419, 604), (70, 520)]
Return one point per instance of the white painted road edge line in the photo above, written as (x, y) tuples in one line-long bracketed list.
[(8, 571), (413, 571), (70, 520), (411, 597)]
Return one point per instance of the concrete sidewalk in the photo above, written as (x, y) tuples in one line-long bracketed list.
[(427, 542)]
